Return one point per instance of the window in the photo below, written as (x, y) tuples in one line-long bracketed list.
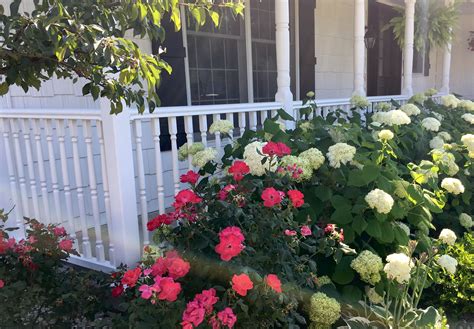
[(217, 62), (421, 61)]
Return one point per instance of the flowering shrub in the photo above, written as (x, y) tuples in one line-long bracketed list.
[(36, 289), (347, 207)]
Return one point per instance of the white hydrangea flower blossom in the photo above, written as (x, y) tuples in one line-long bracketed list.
[(314, 156), (468, 117), (447, 236), (445, 136), (373, 296), (452, 185), (385, 135), (468, 142), (359, 101), (306, 126), (404, 227), (436, 143), (397, 118), (466, 221), (448, 263), (310, 94), (380, 201), (291, 161), (438, 116), (340, 153), (466, 104), (417, 98), (253, 157), (447, 159), (450, 101), (410, 109), (189, 149), (398, 267), (368, 265), (201, 158), (431, 124), (383, 106), (221, 126), (431, 92)]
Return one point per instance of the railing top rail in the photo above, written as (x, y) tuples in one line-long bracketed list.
[(63, 114), (175, 111)]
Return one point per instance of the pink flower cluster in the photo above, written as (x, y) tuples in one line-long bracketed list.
[(291, 170), (230, 243), (272, 197), (162, 273), (202, 306), (331, 231), (305, 231), (276, 149)]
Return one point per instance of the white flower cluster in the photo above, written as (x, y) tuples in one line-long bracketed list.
[(438, 116), (431, 92), (391, 118), (466, 221), (431, 124), (467, 105), (445, 136), (191, 149), (306, 126), (201, 158), (314, 157), (337, 135), (452, 185), (368, 265), (410, 109), (417, 98), (450, 101), (340, 153), (447, 236), (448, 263), (468, 117), (447, 160), (380, 201), (398, 267), (291, 161), (468, 142), (221, 126), (436, 143), (324, 310), (404, 227), (359, 101), (385, 135), (253, 157), (373, 296), (383, 106)]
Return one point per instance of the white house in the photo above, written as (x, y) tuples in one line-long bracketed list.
[(67, 160)]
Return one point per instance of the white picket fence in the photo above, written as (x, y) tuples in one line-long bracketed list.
[(105, 176)]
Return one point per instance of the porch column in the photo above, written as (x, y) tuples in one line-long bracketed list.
[(120, 171), (282, 24), (359, 47), (408, 47), (446, 62)]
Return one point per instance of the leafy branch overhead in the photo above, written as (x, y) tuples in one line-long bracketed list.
[(90, 39)]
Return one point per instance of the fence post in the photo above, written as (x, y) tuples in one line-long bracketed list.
[(121, 176)]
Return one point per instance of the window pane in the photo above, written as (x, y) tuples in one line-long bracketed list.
[(218, 55)]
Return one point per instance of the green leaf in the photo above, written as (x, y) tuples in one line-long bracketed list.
[(323, 193), (343, 273), (215, 17), (364, 176), (3, 88), (285, 116), (271, 127), (351, 293), (374, 229), (359, 224), (387, 235), (428, 318), (341, 216), (400, 235)]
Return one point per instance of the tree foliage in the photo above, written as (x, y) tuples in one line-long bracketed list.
[(87, 39)]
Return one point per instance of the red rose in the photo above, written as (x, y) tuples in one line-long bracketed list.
[(224, 193), (227, 317), (184, 197), (207, 299), (117, 291), (279, 149), (65, 245), (296, 197), (273, 282), (271, 197), (329, 228), (2, 283), (193, 314), (130, 277), (290, 232), (177, 268), (169, 289), (230, 244), (239, 169), (190, 177), (159, 220), (241, 284), (59, 231), (305, 230)]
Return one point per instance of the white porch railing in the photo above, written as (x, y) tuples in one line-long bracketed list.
[(71, 167)]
